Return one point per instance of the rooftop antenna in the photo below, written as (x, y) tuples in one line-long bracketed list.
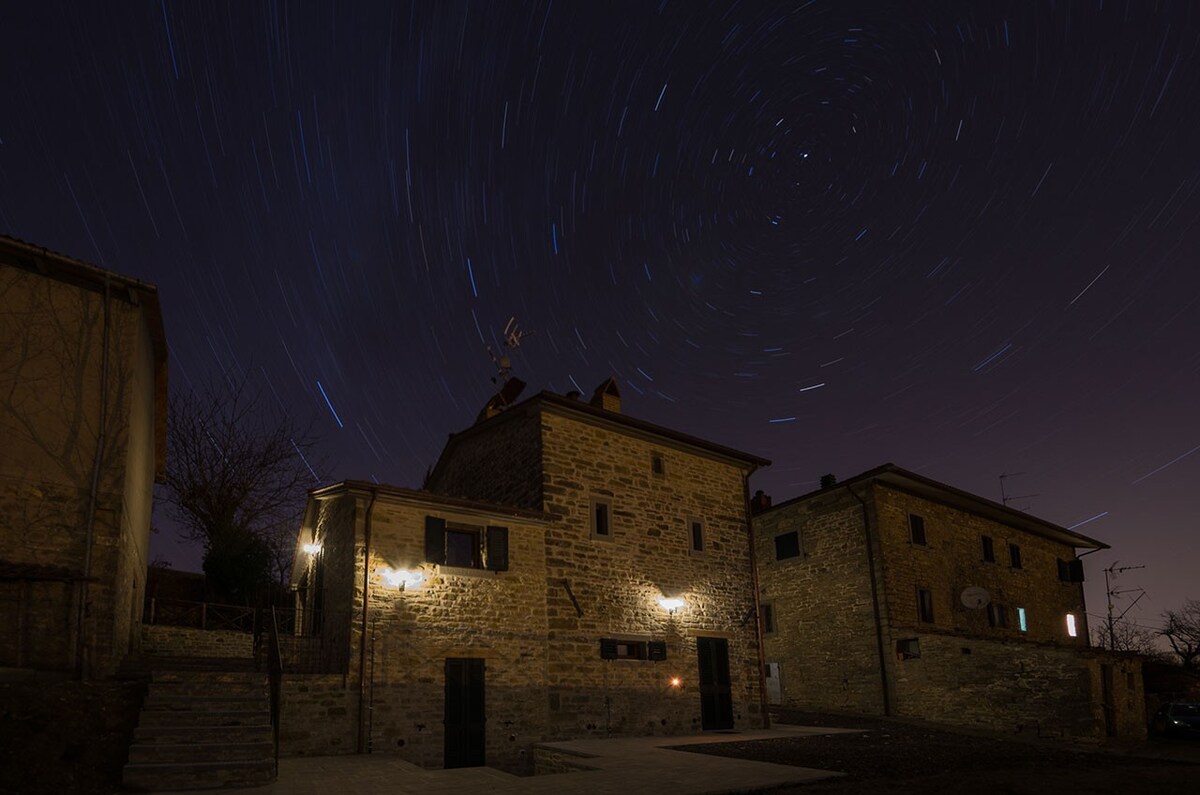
[(1111, 591), (503, 361), (1004, 497)]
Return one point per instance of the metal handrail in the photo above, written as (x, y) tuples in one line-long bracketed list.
[(201, 615), (275, 675)]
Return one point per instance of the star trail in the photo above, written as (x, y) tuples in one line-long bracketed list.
[(960, 237)]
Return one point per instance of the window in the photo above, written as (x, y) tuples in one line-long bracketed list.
[(1022, 624), (601, 518), (1072, 629), (908, 649), (997, 615), (766, 612), (916, 529), (656, 650), (466, 546), (1014, 556), (1070, 570), (989, 550), (787, 545), (696, 532), (656, 465), (618, 649), (925, 605)]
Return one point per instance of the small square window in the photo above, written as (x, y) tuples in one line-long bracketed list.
[(462, 548), (767, 613), (787, 545), (601, 518), (1014, 556), (989, 549), (656, 465), (908, 649), (925, 605), (696, 534), (916, 529)]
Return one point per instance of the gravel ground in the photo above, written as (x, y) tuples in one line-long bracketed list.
[(903, 758)]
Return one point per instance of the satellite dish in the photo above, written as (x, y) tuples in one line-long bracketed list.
[(974, 598)]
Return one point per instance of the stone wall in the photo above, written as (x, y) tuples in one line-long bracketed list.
[(500, 464), (952, 560), (609, 587), (318, 715), (824, 639), (159, 640)]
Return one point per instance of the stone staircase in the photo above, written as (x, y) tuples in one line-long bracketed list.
[(206, 723)]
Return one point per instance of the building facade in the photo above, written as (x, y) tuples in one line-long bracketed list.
[(892, 594), (83, 384), (568, 572)]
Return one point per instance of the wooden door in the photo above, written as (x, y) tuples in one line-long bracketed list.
[(465, 721), (716, 695)]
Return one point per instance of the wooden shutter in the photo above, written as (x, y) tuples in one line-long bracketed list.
[(435, 540), (608, 649), (1075, 570), (495, 552), (658, 650)]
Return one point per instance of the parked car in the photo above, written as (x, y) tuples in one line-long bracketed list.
[(1177, 719)]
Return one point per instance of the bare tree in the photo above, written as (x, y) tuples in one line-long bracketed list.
[(237, 475), (1126, 636), (1181, 628)]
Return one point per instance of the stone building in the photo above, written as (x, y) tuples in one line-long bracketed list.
[(83, 377), (893, 594), (568, 571)]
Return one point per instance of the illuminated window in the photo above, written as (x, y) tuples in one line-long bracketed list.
[(1014, 556), (916, 529), (787, 545), (1072, 630), (989, 550), (601, 518), (1021, 623), (696, 533), (925, 605)]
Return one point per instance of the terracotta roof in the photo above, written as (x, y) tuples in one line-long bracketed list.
[(898, 477)]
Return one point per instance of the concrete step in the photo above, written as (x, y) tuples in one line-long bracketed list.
[(215, 678), (141, 753), (211, 717), (187, 702), (159, 776), (243, 689), (182, 734)]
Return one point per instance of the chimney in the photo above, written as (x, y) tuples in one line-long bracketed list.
[(759, 502), (607, 396), (828, 481)]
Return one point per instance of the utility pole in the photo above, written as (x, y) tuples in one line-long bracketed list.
[(1110, 592)]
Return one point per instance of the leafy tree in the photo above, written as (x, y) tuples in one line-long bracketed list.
[(1181, 628), (237, 477)]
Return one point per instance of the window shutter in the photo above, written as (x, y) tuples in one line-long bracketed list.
[(658, 650), (495, 550), (1075, 570), (435, 540), (1064, 570), (608, 649)]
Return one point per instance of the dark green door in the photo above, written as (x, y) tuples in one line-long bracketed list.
[(465, 720), (716, 696)]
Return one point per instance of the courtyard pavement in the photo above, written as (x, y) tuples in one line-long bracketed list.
[(622, 766)]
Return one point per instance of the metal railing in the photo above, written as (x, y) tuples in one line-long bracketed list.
[(199, 615), (309, 642), (275, 675)]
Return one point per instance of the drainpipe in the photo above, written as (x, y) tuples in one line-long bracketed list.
[(883, 683), (362, 645), (758, 629), (93, 496)]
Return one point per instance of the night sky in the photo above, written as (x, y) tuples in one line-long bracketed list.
[(961, 237)]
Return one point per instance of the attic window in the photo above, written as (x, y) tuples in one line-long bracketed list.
[(696, 535), (916, 529), (656, 465), (601, 518)]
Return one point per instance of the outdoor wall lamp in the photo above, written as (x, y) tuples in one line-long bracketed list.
[(312, 549), (401, 578), (676, 682), (671, 604)]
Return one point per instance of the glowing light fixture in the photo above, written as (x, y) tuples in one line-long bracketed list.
[(1021, 619), (312, 549), (676, 681), (1072, 630), (401, 578), (671, 604)]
